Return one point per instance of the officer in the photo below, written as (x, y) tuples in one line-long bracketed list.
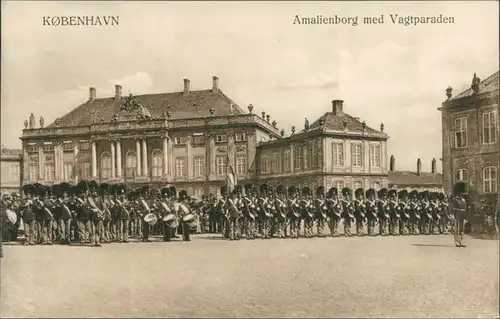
[(348, 211), (320, 210), (359, 211), (460, 210)]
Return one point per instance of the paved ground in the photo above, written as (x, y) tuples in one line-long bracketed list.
[(416, 276)]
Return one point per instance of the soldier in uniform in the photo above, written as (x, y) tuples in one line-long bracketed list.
[(435, 209), (249, 212), (47, 229), (307, 212), (96, 218), (359, 211), (394, 213), (186, 228), (280, 203), (123, 215), (402, 210), (66, 215), (426, 215), (415, 211), (293, 206), (334, 211), (320, 210), (27, 207), (460, 210), (232, 213), (445, 214), (264, 215), (348, 210), (382, 211), (371, 211)]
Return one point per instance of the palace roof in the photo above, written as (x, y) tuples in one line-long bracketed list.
[(335, 122), (194, 104), (412, 179), (490, 84)]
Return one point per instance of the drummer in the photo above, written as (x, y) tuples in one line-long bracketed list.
[(184, 201), (145, 217)]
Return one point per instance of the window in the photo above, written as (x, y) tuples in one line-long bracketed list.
[(84, 145), (299, 157), (180, 170), (376, 185), (106, 165), (286, 161), (375, 155), (68, 147), (339, 185), (221, 165), (358, 184), (157, 163), (221, 138), (199, 139), (489, 128), (240, 137), (274, 164), (180, 140), (48, 148), (198, 191), (241, 165), (356, 155), (338, 154), (461, 175), (31, 149), (33, 172), (460, 131), (490, 179), (130, 164), (85, 170), (68, 171), (14, 173), (263, 164), (48, 170), (312, 155), (199, 166)]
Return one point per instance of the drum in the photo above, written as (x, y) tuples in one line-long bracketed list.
[(192, 225), (150, 218), (169, 218), (12, 216), (188, 218)]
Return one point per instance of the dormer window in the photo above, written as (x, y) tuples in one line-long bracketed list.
[(180, 140), (241, 137), (221, 138)]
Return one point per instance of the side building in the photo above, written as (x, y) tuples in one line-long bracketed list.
[(335, 150), (10, 160), (471, 139), (184, 138), (415, 180)]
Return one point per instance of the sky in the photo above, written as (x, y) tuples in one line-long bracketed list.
[(386, 73)]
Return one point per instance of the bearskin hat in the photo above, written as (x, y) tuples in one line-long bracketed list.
[(183, 194), (359, 192), (173, 191), (346, 191), (104, 188), (306, 191), (223, 191), (320, 190), (370, 193), (382, 192), (402, 194), (392, 193), (332, 192), (281, 190), (292, 190), (459, 189), (28, 189), (165, 191)]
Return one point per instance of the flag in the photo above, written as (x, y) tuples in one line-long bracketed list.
[(231, 181)]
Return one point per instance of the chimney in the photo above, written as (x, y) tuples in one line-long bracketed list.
[(186, 86), (392, 163), (118, 92), (419, 167), (337, 107), (433, 166), (92, 94), (215, 85)]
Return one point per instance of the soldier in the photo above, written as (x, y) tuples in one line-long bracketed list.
[(460, 210), (97, 208), (222, 214), (27, 208), (435, 209), (232, 213), (415, 212), (293, 206), (249, 212), (66, 215), (445, 214), (123, 214), (307, 212), (402, 211), (48, 223), (359, 211), (185, 210), (394, 213), (281, 210), (83, 215), (426, 215), (334, 211), (264, 215), (348, 209), (320, 210), (382, 211), (371, 211)]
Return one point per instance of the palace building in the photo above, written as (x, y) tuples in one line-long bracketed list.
[(335, 150), (184, 138), (10, 160), (471, 137)]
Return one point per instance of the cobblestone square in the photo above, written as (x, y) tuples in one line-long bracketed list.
[(406, 277)]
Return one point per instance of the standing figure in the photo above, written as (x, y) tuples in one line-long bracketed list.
[(460, 210), (123, 213), (360, 211), (445, 214), (47, 229), (415, 212), (249, 212), (394, 213), (280, 203), (28, 211), (435, 209), (187, 216), (320, 210), (222, 213), (264, 215), (402, 210), (349, 211), (233, 213), (293, 215), (426, 215), (383, 212), (307, 212), (371, 211), (65, 218), (97, 209), (334, 211)]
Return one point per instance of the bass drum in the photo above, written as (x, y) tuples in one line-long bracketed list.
[(171, 221), (188, 218)]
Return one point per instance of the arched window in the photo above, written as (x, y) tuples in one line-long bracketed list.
[(106, 165), (157, 163), (490, 179), (130, 164)]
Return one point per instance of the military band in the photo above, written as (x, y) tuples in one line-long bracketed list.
[(93, 214)]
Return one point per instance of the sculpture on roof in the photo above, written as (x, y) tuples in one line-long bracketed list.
[(25, 124), (32, 121), (306, 124), (475, 84), (131, 105), (41, 121)]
